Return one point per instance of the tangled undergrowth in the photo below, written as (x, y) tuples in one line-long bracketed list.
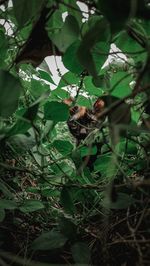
[(107, 223)]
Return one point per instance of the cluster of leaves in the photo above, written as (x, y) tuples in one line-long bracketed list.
[(41, 169)]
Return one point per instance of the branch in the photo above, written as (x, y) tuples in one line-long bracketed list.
[(2, 2), (142, 241), (119, 102), (14, 168)]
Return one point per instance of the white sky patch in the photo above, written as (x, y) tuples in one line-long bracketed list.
[(52, 61), (55, 65), (84, 9), (64, 15), (7, 25)]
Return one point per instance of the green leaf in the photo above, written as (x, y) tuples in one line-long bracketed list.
[(55, 23), (70, 59), (49, 241), (21, 142), (2, 214), (38, 88), (123, 201), (91, 88), (62, 167), (8, 204), (31, 112), (24, 122), (65, 36), (136, 115), (88, 150), (33, 190), (128, 147), (99, 54), (81, 253), (10, 88), (66, 201), (132, 148), (20, 127), (120, 84), (48, 192), (95, 46), (5, 190), (24, 34), (89, 24), (68, 78), (74, 10), (68, 228), (64, 147), (102, 81), (29, 71), (31, 206), (129, 45), (46, 76), (26, 10), (145, 24), (59, 93), (117, 12), (56, 111), (3, 44), (120, 114), (48, 129), (102, 163), (76, 157), (83, 101)]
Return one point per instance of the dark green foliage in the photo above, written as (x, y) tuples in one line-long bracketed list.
[(66, 201), (95, 44), (74, 199), (10, 89), (56, 111), (49, 240), (81, 253)]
